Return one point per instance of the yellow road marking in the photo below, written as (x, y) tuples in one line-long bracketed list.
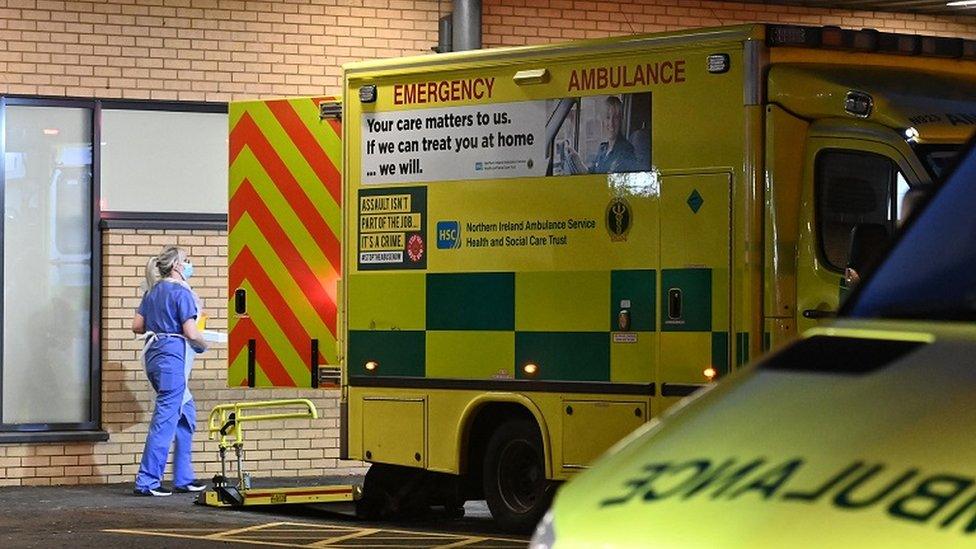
[(462, 543), (258, 536), (208, 538), (177, 530), (438, 534), (337, 539), (307, 525), (243, 530), (310, 527), (297, 531), (290, 530)]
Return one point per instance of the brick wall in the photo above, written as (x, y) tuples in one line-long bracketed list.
[(217, 51), (201, 50), (280, 448), (523, 22), (223, 50)]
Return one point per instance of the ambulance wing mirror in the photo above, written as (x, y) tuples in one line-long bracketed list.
[(868, 241)]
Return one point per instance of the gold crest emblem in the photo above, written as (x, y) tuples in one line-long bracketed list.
[(618, 218)]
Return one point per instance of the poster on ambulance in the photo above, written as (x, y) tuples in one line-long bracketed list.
[(538, 138), (392, 228)]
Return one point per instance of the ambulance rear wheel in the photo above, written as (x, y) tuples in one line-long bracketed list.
[(515, 483)]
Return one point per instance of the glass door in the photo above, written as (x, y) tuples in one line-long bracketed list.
[(47, 266)]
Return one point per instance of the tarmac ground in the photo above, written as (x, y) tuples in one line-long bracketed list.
[(105, 516)]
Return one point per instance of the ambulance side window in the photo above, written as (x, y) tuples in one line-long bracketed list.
[(903, 187), (853, 188)]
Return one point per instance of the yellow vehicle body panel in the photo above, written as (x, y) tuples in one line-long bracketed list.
[(603, 423), (394, 430), (284, 496), (538, 277), (481, 265), (812, 91), (457, 409)]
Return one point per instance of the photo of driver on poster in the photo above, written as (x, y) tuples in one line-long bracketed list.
[(613, 136)]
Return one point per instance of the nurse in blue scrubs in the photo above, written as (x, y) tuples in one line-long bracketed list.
[(167, 317)]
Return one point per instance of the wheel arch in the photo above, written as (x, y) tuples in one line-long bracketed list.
[(487, 412)]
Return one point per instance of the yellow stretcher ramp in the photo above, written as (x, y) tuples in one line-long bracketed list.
[(226, 424)]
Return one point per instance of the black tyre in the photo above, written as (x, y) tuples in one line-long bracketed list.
[(515, 484), (393, 492), (378, 499)]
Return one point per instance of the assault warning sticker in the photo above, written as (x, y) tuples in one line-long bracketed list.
[(392, 228)]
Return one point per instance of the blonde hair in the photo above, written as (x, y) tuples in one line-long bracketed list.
[(161, 266)]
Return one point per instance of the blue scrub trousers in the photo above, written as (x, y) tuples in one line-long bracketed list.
[(174, 419)]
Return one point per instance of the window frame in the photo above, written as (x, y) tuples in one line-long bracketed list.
[(818, 208), (91, 430)]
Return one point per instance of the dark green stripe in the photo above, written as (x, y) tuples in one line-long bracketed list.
[(516, 385), (638, 286), (741, 348), (767, 342), (745, 348), (564, 356), (720, 352), (398, 352), (738, 349), (696, 300), (471, 301), (680, 389)]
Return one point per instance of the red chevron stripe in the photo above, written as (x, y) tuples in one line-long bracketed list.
[(263, 355), (247, 199), (247, 133), (246, 266), (336, 126), (308, 146)]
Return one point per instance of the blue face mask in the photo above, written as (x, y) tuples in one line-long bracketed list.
[(187, 270)]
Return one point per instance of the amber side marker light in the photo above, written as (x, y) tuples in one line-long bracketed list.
[(530, 369), (371, 366), (710, 374)]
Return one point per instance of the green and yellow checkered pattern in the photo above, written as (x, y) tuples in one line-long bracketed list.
[(489, 325)]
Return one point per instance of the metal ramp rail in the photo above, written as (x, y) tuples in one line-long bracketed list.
[(226, 424)]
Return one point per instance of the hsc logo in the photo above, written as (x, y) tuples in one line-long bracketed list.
[(448, 235)]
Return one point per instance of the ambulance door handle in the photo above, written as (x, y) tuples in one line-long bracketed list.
[(240, 301), (674, 303)]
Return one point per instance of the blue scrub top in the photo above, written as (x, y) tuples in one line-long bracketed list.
[(165, 308)]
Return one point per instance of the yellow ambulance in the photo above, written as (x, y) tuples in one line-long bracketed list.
[(546, 247), (857, 435)]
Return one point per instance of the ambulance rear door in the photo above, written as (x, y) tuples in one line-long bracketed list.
[(283, 244)]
